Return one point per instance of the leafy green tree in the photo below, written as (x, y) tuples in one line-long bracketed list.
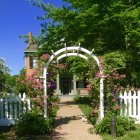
[(111, 27), (4, 69), (10, 83)]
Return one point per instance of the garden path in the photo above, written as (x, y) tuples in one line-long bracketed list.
[(69, 123)]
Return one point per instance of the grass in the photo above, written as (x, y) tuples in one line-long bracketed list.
[(85, 109), (84, 104), (133, 135)]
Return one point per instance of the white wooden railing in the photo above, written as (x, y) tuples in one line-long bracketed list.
[(130, 104), (11, 108)]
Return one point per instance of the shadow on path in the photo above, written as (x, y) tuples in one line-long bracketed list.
[(65, 120), (69, 124), (67, 103)]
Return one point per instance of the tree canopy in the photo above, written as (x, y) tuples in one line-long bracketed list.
[(111, 27)]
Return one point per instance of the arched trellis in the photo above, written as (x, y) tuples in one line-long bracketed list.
[(65, 52)]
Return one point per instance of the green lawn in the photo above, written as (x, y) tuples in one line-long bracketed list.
[(134, 135)]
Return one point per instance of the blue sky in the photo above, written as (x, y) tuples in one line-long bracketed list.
[(18, 17)]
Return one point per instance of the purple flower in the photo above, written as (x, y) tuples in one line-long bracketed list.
[(49, 75), (52, 85)]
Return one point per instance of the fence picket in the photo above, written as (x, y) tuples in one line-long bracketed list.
[(138, 92), (11, 108), (2, 108), (15, 109), (132, 104), (6, 108), (28, 104), (125, 103), (2, 111), (19, 106)]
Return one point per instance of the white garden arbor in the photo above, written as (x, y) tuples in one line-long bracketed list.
[(74, 51)]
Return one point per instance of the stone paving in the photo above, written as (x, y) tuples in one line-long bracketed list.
[(69, 123)]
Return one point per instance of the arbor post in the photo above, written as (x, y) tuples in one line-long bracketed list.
[(101, 98), (45, 92)]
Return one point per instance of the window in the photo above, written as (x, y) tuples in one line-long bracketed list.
[(32, 62), (80, 84)]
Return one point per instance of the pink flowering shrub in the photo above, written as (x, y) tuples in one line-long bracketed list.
[(33, 85), (44, 57), (112, 86)]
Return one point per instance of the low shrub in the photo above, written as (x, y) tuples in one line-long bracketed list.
[(34, 123), (123, 124), (77, 99), (54, 99), (92, 119), (81, 100)]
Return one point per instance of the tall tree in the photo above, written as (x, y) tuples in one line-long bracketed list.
[(4, 70), (111, 27)]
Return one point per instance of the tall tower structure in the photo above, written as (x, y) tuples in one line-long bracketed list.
[(29, 57)]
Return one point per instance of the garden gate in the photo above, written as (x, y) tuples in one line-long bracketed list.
[(74, 51)]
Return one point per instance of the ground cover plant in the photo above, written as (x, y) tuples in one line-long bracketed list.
[(123, 124), (133, 135)]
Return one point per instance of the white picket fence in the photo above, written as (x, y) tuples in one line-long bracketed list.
[(11, 108), (130, 104)]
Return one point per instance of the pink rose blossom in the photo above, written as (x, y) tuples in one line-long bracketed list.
[(98, 75)]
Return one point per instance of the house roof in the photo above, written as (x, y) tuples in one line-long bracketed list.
[(31, 48)]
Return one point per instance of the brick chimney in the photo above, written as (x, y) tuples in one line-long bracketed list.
[(30, 39)]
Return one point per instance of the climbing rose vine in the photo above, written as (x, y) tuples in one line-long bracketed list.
[(33, 85)]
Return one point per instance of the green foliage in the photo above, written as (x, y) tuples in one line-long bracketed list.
[(11, 83), (81, 100), (54, 99), (33, 122), (22, 71), (110, 27), (123, 124), (4, 70), (116, 60), (35, 40), (21, 84), (77, 66), (77, 99), (2, 81)]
